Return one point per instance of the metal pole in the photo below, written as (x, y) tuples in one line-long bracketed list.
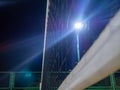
[(44, 47), (78, 48), (12, 80), (112, 80)]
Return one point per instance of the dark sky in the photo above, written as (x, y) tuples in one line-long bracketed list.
[(21, 32)]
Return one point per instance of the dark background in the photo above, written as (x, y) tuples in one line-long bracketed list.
[(21, 34)]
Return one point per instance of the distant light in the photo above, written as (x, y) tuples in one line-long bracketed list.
[(78, 26), (28, 75)]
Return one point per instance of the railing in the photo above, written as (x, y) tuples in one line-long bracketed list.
[(110, 83), (31, 81), (19, 80)]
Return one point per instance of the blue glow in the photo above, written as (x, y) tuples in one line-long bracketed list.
[(101, 7), (28, 75), (84, 7)]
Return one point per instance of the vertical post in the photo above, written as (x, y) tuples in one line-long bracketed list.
[(78, 48), (11, 84), (44, 46), (112, 80)]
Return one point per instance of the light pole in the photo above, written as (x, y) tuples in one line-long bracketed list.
[(78, 26)]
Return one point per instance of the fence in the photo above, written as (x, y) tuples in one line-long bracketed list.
[(31, 81)]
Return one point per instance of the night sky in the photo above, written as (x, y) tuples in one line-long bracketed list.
[(21, 33)]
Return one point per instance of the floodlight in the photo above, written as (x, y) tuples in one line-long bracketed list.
[(78, 26)]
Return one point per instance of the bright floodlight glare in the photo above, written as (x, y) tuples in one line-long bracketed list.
[(78, 26)]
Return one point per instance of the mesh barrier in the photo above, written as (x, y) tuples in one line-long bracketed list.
[(60, 55), (56, 55), (56, 79)]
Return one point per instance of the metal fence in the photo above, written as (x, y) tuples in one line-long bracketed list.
[(31, 81)]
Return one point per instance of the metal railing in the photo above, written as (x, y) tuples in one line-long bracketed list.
[(31, 81)]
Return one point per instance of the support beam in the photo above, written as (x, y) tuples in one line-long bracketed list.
[(102, 59)]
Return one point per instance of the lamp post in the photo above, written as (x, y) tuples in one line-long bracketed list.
[(78, 26)]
